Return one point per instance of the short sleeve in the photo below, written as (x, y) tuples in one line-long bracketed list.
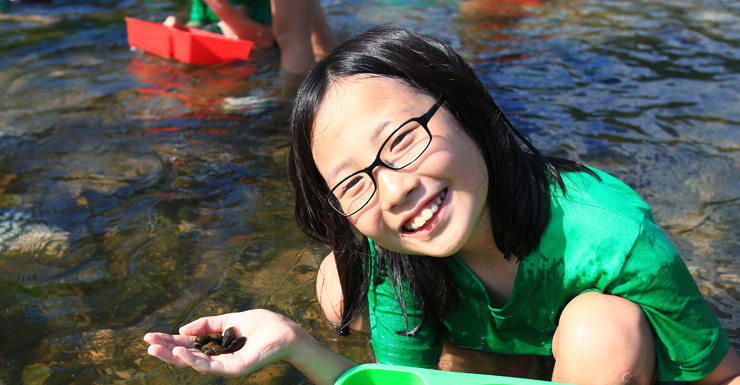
[(423, 349), (198, 12), (689, 339)]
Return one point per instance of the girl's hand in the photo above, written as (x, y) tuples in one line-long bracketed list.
[(270, 337), (173, 22)]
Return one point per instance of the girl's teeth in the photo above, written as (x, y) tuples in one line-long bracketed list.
[(427, 214)]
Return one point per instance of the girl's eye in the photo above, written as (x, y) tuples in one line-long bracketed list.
[(346, 189), (398, 141)]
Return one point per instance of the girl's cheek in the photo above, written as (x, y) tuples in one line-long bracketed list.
[(365, 222)]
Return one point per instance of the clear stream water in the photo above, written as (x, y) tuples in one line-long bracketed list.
[(132, 200)]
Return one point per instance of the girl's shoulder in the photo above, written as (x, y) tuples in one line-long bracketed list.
[(602, 199), (597, 219), (594, 229)]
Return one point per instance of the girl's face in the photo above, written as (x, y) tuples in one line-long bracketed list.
[(355, 117)]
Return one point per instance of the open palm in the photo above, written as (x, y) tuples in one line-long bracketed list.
[(270, 337)]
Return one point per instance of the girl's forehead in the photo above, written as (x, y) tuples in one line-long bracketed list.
[(357, 102), (354, 111), (355, 96)]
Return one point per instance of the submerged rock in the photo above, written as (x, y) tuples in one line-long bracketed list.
[(19, 233), (250, 105)]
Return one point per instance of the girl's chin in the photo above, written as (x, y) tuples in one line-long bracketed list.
[(431, 249)]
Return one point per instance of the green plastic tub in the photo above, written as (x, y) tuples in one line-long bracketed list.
[(372, 374)]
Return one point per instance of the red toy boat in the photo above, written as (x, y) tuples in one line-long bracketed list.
[(192, 45)]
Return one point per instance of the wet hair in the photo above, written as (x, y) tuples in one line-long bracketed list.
[(519, 180)]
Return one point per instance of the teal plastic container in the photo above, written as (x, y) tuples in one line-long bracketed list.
[(372, 374)]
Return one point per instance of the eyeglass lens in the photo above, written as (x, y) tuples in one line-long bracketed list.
[(402, 148)]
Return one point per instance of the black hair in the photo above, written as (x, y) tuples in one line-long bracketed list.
[(519, 181)]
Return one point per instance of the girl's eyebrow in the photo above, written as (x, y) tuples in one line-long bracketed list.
[(332, 175), (379, 129)]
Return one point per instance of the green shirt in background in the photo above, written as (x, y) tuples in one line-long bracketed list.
[(259, 11), (601, 237)]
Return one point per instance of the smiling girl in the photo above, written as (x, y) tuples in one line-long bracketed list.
[(448, 228)]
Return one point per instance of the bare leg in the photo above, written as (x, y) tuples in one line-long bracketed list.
[(323, 39), (457, 359), (603, 339), (291, 26)]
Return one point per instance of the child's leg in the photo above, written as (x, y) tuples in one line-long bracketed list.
[(457, 359), (323, 39), (603, 339), (329, 293), (291, 26)]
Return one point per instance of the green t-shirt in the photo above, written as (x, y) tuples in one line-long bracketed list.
[(259, 11), (601, 237)]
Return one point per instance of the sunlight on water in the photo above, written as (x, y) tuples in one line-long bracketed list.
[(133, 198)]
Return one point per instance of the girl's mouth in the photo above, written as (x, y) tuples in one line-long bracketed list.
[(426, 214)]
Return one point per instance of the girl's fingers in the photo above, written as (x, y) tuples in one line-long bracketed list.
[(169, 341), (165, 355), (162, 346), (175, 350)]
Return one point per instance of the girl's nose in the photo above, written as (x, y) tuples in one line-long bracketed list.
[(394, 187)]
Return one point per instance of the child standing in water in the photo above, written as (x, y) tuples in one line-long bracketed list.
[(298, 27), (444, 229)]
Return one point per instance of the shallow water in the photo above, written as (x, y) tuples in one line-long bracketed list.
[(132, 200)]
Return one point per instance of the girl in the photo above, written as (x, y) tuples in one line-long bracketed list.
[(444, 230)]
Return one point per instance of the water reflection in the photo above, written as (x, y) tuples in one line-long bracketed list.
[(134, 201)]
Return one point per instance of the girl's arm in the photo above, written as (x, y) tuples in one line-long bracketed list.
[(727, 373), (319, 364), (331, 299), (270, 337), (241, 26)]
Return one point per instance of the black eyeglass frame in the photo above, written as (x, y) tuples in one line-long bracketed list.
[(423, 120)]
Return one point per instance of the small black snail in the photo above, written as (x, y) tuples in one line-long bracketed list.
[(216, 343)]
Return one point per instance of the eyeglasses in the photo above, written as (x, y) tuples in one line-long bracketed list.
[(404, 146)]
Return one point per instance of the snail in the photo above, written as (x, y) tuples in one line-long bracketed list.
[(216, 343)]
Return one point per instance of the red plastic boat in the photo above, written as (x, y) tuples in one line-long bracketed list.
[(192, 45)]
